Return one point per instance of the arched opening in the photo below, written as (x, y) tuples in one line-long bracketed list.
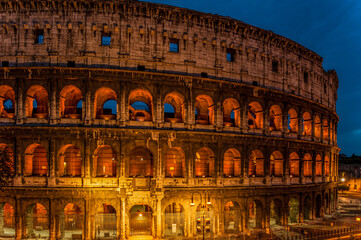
[(8, 159), (292, 119), (105, 161), (7, 102), (70, 96), (140, 162), (307, 208), (306, 124), (204, 163), (69, 161), (232, 163), (275, 118), (36, 161), (325, 126), (71, 222), (318, 165), (140, 219), (255, 217), (318, 127), (276, 212), (37, 221), (276, 164), (7, 221), (39, 107), (204, 110), (327, 166), (106, 223), (140, 105), (294, 210), (307, 165), (105, 105), (174, 220), (255, 115), (174, 163), (231, 112), (232, 217), (174, 108), (205, 217), (318, 207), (294, 165), (256, 164)]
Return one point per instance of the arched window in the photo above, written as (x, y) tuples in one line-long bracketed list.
[(140, 105), (174, 108), (294, 164), (7, 225), (204, 163), (106, 222), (36, 162), (231, 112), (205, 110), (104, 108), (174, 220), (69, 161), (325, 129), (307, 165), (36, 103), (7, 101), (292, 119), (37, 221), (306, 124), (276, 164), (318, 127), (105, 161), (174, 163), (318, 166), (255, 115), (72, 220), (140, 162), (256, 164), (275, 118), (232, 163), (70, 96)]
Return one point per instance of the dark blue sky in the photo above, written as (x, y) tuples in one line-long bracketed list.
[(331, 28)]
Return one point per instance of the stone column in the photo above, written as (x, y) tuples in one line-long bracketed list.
[(88, 108), (245, 164), (89, 228), (218, 116), (302, 165), (300, 208), (159, 216), (53, 102), (52, 167), (53, 223), (158, 113), (267, 214), (20, 102), (18, 220), (300, 124), (267, 165), (313, 166), (286, 167), (244, 118), (123, 234)]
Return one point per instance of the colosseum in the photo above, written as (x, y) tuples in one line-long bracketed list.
[(127, 119)]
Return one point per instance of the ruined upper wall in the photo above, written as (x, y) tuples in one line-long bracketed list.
[(140, 36)]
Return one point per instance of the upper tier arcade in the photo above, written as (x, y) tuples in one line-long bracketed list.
[(151, 37)]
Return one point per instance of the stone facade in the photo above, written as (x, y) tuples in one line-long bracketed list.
[(250, 140)]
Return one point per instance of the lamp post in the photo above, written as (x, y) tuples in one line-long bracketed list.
[(207, 201)]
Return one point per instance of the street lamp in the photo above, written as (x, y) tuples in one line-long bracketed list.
[(207, 201)]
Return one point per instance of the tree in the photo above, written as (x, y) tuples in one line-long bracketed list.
[(7, 168)]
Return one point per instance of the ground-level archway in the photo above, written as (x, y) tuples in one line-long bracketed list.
[(174, 220), (106, 222), (71, 222), (232, 215), (294, 210), (276, 212), (140, 220), (36, 221), (255, 217), (307, 208), (7, 221)]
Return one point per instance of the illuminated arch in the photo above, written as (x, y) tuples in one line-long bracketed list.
[(318, 165), (307, 165), (231, 112), (106, 222), (204, 163), (140, 162), (7, 95), (326, 129), (292, 118), (36, 161), (174, 216), (39, 96), (232, 217), (68, 102), (69, 161), (317, 127), (175, 100), (294, 164), (37, 220), (174, 163), (232, 163), (306, 124), (256, 164), (275, 118), (105, 161), (102, 96), (255, 115), (138, 98), (204, 108), (276, 164)]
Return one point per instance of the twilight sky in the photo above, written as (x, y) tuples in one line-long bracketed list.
[(331, 28)]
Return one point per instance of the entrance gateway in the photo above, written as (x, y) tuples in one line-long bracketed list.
[(140, 220)]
